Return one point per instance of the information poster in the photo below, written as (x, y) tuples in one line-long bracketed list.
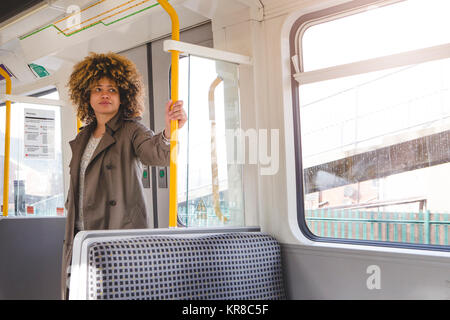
[(39, 138)]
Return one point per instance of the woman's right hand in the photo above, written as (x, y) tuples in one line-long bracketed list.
[(175, 113)]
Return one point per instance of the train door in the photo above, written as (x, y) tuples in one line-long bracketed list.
[(158, 96), (211, 151), (154, 65)]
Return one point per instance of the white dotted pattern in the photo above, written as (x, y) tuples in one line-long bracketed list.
[(220, 266)]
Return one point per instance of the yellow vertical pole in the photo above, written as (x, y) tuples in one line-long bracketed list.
[(173, 124), (7, 144)]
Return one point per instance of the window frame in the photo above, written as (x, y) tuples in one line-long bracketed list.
[(40, 92), (298, 77)]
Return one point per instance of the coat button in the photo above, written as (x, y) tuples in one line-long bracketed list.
[(109, 166), (112, 202)]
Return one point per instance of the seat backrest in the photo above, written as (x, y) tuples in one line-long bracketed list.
[(235, 265)]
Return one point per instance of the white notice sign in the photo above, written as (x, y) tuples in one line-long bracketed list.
[(39, 138)]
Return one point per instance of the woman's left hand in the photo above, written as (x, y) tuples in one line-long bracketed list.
[(175, 113)]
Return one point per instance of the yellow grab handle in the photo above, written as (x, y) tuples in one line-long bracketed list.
[(79, 124), (173, 124), (214, 166), (7, 142)]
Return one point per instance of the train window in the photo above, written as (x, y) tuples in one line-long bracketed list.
[(36, 173), (375, 144), (210, 189), (376, 32)]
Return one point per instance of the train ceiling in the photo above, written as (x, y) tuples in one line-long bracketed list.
[(53, 33)]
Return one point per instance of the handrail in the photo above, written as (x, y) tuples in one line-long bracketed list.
[(7, 144), (205, 52), (173, 124), (214, 167), (31, 100)]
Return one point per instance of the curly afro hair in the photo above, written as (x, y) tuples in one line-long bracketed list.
[(96, 66)]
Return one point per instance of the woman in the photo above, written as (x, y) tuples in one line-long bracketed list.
[(105, 172)]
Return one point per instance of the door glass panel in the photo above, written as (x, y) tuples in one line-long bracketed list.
[(210, 191)]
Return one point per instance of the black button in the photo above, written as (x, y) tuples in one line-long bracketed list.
[(109, 166), (112, 202)]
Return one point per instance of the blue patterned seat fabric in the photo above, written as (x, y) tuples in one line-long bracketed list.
[(239, 265)]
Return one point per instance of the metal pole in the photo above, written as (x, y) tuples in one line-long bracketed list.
[(7, 144), (173, 124)]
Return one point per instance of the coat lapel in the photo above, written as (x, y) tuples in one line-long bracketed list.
[(108, 138), (104, 143)]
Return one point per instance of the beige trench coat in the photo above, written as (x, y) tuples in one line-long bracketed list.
[(113, 192)]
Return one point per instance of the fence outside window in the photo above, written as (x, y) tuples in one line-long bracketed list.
[(411, 227)]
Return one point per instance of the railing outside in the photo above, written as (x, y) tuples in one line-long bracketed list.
[(411, 227)]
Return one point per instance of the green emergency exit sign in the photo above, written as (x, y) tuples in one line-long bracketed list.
[(38, 70)]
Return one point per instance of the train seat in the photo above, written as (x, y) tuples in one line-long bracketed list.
[(226, 265)]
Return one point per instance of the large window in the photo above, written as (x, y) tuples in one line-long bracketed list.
[(36, 173), (374, 99)]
